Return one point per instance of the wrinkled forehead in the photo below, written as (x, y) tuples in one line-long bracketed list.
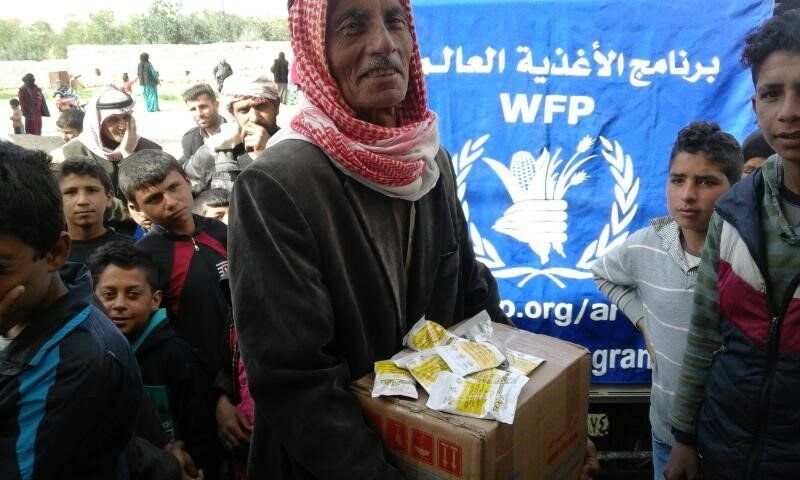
[(340, 9)]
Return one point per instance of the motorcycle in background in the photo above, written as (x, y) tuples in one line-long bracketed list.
[(67, 98)]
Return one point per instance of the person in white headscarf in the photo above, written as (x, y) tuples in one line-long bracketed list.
[(109, 136)]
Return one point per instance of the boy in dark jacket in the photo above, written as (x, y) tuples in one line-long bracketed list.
[(735, 412), (69, 384), (87, 194), (191, 255), (174, 379)]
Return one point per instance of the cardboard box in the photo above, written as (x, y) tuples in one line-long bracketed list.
[(546, 441)]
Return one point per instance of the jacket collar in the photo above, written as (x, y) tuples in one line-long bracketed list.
[(199, 225), (156, 319)]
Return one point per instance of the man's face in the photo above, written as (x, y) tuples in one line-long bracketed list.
[(368, 47), (85, 201), (127, 297), (169, 203), (693, 186), (68, 133), (777, 103), (205, 111), (18, 267), (263, 114), (114, 127)]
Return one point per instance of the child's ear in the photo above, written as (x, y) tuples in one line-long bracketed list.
[(156, 301), (58, 255)]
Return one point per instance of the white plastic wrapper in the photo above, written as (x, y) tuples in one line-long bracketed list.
[(495, 375), (426, 368), (404, 356), (425, 335), (468, 357), (478, 328), (462, 396), (390, 381), (522, 363)]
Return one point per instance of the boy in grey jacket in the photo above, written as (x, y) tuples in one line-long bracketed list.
[(651, 277)]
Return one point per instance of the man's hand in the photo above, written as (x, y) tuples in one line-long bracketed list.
[(255, 139), (233, 427), (591, 465), (6, 302), (129, 140), (641, 326), (683, 463), (228, 137), (188, 468)]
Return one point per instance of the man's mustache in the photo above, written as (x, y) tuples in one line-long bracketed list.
[(382, 62)]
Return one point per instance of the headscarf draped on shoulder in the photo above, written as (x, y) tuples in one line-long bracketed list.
[(398, 162), (106, 103)]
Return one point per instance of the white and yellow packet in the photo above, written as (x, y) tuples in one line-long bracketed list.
[(478, 328), (404, 356), (391, 380), (522, 363), (496, 375), (468, 357), (425, 335), (426, 367), (470, 398)]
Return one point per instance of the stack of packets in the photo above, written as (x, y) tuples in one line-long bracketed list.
[(465, 372)]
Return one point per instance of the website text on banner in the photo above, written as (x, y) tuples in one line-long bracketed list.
[(560, 116)]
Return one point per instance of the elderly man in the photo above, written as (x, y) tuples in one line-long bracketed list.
[(215, 152), (342, 235)]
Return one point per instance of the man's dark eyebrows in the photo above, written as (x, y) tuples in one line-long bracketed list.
[(351, 13), (392, 11), (769, 86)]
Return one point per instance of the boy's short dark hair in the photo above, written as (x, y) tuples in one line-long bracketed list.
[(756, 146), (30, 200), (195, 91), (72, 118), (718, 147), (85, 166), (123, 255), (146, 168), (778, 33), (215, 197), (14, 103)]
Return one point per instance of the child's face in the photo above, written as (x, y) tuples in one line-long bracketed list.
[(693, 186), (18, 267), (169, 203), (68, 133), (85, 201), (777, 103), (127, 297), (219, 213)]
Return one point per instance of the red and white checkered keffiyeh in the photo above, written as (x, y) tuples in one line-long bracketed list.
[(398, 161)]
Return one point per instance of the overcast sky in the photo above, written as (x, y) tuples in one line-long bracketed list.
[(58, 12)]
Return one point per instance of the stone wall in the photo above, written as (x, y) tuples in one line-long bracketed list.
[(176, 64)]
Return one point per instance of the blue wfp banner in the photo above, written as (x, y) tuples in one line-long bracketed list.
[(560, 115)]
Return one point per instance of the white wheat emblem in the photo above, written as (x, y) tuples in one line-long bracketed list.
[(537, 187)]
